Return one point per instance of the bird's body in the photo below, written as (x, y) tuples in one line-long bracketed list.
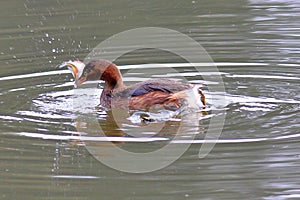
[(164, 93)]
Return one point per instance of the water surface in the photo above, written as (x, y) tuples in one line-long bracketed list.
[(255, 45)]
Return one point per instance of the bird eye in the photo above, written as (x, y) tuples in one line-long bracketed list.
[(85, 73)]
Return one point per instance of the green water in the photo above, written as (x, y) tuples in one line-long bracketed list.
[(255, 45)]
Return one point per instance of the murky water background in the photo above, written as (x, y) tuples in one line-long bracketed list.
[(255, 45)]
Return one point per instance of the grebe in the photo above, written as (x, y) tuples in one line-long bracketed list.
[(165, 93)]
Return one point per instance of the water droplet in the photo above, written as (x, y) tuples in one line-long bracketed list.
[(53, 50)]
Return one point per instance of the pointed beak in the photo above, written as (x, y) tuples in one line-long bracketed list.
[(79, 81), (76, 67)]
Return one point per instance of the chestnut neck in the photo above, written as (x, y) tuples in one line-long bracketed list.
[(112, 77)]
